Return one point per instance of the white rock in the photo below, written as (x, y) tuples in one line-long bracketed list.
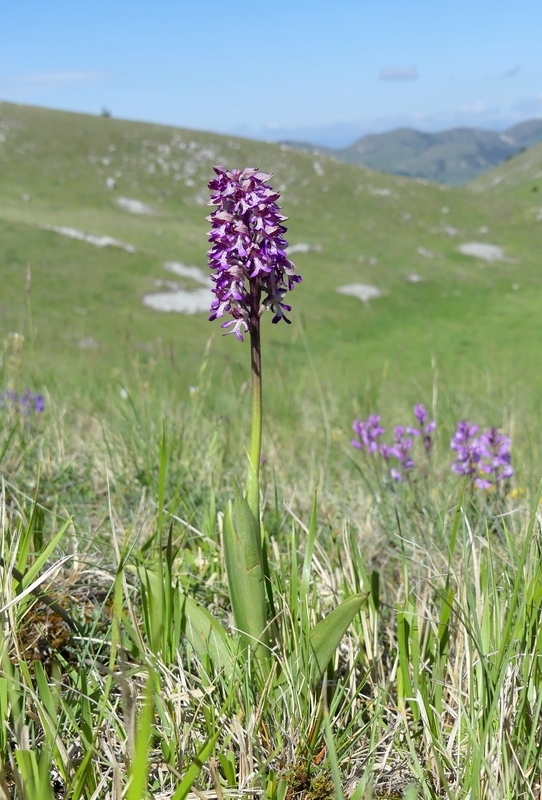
[(181, 302), (135, 206), (426, 253), (98, 241), (489, 252), (195, 273), (360, 290), (88, 343), (111, 183), (414, 278), (302, 247)]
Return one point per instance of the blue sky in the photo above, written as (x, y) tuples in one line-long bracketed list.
[(326, 73)]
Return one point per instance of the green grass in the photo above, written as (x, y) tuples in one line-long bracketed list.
[(119, 489), (464, 314)]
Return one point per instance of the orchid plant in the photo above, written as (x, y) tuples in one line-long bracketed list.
[(252, 273)]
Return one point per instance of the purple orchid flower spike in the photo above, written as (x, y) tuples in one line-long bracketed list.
[(248, 250), (425, 430), (368, 432), (487, 456)]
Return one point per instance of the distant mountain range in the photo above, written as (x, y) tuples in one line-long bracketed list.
[(454, 157)]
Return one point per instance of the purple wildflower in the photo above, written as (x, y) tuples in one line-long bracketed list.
[(368, 432), (26, 403), (402, 445), (485, 455), (495, 448), (467, 448), (421, 415), (248, 249)]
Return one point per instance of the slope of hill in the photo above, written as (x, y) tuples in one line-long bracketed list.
[(520, 176), (452, 157), (69, 172)]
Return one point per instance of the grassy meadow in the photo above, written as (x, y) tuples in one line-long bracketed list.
[(404, 618)]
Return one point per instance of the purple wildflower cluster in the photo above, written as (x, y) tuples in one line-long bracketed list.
[(369, 432), (487, 456), (26, 403), (248, 249)]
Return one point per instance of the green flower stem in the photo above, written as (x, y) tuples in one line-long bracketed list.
[(253, 477)]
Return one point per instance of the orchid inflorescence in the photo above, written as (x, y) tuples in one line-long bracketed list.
[(369, 431), (248, 249), (486, 456)]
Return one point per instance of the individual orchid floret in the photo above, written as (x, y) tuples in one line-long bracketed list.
[(248, 250)]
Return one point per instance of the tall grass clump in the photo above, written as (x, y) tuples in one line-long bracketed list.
[(183, 616)]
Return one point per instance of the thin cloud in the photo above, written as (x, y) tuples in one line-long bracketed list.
[(476, 108), (45, 81), (398, 74), (510, 73)]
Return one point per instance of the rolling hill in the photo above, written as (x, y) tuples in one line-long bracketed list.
[(452, 157), (144, 187)]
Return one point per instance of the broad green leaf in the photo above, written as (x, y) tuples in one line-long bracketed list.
[(326, 635), (207, 636), (243, 558)]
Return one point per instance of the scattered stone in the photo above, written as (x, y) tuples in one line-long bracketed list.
[(111, 183), (162, 284), (426, 253), (450, 230), (88, 343), (195, 273), (489, 252), (302, 247), (135, 206), (445, 210), (98, 241), (414, 278), (483, 229), (362, 291), (515, 286), (196, 301), (26, 198), (381, 192), (318, 168)]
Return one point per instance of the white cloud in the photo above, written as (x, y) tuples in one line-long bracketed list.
[(398, 74), (46, 81), (475, 108)]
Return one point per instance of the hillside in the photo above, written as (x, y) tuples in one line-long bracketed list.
[(350, 225), (452, 157)]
